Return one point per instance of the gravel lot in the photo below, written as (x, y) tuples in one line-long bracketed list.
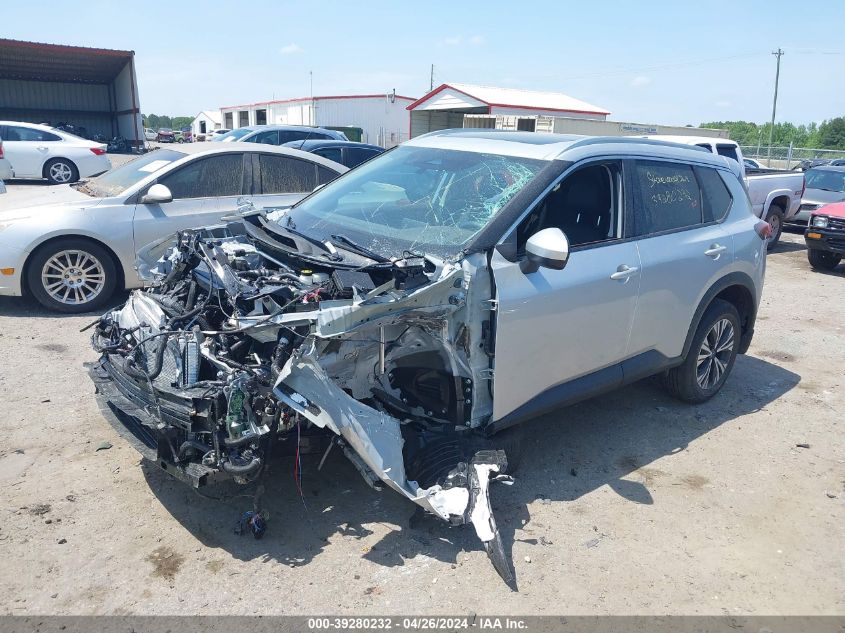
[(627, 504)]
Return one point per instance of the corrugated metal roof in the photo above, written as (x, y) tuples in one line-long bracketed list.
[(511, 97), (55, 62)]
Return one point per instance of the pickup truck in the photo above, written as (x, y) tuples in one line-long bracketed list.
[(775, 193)]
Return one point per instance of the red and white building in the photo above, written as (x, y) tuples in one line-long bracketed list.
[(458, 105), (383, 118)]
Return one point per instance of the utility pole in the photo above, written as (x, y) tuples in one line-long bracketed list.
[(311, 96), (778, 53), (431, 80)]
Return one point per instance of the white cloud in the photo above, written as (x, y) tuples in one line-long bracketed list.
[(640, 80), (723, 104), (455, 40), (290, 49), (476, 40)]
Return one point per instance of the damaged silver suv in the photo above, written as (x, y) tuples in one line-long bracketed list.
[(410, 310)]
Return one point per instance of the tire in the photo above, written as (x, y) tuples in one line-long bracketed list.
[(71, 275), (693, 380), (775, 220), (60, 171), (823, 260)]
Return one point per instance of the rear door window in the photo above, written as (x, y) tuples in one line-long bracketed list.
[(728, 151), (332, 153), (357, 155), (212, 177), (667, 197), (283, 174), (271, 137), (325, 175)]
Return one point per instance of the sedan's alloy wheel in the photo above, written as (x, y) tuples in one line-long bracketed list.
[(715, 354), (60, 172), (73, 277)]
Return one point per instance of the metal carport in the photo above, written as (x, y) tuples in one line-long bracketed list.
[(95, 88)]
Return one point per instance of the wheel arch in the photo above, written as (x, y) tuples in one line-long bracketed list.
[(737, 289), (779, 198), (51, 159), (121, 278)]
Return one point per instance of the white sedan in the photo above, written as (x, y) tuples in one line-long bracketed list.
[(39, 151), (72, 255)]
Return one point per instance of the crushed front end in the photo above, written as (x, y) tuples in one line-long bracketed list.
[(250, 338)]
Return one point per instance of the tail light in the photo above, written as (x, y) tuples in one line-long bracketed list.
[(99, 151), (1, 149), (763, 229)]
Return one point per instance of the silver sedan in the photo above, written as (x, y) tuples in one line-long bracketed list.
[(72, 256)]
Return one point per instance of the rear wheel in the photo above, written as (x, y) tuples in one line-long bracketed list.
[(710, 357), (71, 275), (775, 220), (823, 260)]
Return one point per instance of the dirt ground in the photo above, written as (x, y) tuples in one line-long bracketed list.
[(631, 503)]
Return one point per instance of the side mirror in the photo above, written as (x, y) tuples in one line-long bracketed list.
[(157, 194), (548, 248)]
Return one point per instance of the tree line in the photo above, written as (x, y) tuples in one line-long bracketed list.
[(828, 134), (156, 121)]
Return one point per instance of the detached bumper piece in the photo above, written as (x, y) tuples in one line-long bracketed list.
[(137, 421), (483, 468)]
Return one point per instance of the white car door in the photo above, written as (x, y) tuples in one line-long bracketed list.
[(198, 187), (27, 149)]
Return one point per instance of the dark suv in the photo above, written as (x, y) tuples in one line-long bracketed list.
[(347, 153)]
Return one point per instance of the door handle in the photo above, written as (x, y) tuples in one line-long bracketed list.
[(42, 149), (624, 272), (715, 250)]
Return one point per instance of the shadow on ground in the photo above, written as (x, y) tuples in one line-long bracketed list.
[(581, 448), (29, 307)]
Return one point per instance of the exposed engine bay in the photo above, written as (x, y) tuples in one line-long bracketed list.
[(251, 337)]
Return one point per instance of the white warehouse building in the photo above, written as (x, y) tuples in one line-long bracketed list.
[(383, 119)]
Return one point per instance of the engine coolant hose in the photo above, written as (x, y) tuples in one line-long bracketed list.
[(246, 469)]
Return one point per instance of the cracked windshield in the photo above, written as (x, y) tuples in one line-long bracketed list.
[(415, 199)]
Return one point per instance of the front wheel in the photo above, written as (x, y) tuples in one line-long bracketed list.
[(61, 171), (775, 220), (823, 260), (71, 275), (710, 357)]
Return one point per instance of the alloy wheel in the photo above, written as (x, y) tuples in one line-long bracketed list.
[(73, 277), (60, 172), (715, 354)]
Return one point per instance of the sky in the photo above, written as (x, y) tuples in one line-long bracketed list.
[(675, 63)]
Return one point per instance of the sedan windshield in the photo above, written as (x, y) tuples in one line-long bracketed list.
[(117, 180), (416, 199), (234, 135), (829, 180)]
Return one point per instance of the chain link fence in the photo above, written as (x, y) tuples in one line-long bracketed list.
[(789, 157)]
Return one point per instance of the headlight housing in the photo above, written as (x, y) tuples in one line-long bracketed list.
[(820, 221)]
